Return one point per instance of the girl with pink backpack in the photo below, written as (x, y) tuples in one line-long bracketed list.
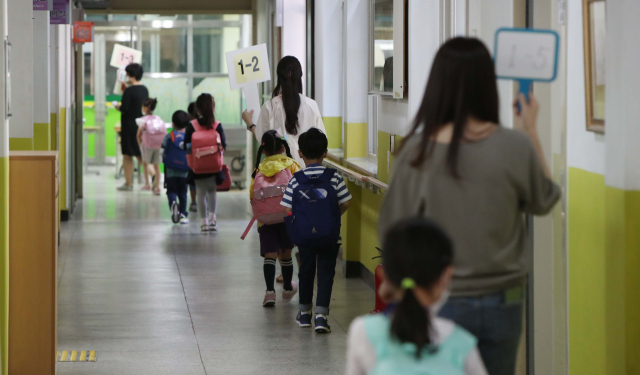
[(205, 142), (151, 133), (270, 180)]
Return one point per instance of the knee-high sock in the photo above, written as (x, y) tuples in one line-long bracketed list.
[(287, 272), (270, 273)]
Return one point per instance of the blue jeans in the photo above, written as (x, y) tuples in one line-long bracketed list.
[(177, 190), (495, 322), (324, 260)]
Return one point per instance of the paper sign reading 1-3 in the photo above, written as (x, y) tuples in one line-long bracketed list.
[(526, 54), (248, 66), (123, 56)]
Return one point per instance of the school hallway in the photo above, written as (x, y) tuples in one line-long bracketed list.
[(151, 297)]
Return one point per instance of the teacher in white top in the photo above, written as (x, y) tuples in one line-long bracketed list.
[(288, 110)]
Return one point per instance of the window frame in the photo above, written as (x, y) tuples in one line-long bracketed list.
[(593, 124)]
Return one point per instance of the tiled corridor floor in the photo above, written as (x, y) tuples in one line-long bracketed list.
[(155, 298)]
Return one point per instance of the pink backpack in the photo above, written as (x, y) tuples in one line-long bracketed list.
[(268, 192), (155, 131), (206, 149)]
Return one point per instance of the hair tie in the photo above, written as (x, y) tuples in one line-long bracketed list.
[(408, 283), (263, 144)]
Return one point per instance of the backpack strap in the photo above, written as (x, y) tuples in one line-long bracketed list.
[(215, 125), (173, 136), (196, 125), (301, 177), (327, 175), (246, 231)]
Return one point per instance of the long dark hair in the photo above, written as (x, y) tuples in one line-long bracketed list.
[(290, 87), (205, 104), (419, 251), (462, 84), (271, 144)]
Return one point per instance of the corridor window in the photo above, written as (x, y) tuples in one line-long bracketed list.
[(387, 46), (594, 59)]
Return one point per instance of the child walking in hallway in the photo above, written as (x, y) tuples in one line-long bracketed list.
[(409, 338), (151, 133), (317, 197), (274, 240), (208, 174), (176, 169)]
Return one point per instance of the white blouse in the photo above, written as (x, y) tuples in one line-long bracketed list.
[(272, 117), (361, 355)]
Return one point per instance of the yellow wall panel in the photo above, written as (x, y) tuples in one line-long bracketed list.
[(333, 126)]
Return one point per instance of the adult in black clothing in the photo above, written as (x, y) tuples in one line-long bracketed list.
[(206, 183), (131, 109)]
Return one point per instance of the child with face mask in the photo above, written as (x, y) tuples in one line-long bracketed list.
[(409, 338)]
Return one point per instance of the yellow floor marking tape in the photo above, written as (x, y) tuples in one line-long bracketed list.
[(76, 356)]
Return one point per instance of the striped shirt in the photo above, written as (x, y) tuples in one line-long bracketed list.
[(314, 171)]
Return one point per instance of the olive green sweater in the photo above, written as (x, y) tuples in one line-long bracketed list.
[(500, 179)]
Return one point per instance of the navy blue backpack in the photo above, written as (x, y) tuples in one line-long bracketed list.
[(315, 217), (174, 156)]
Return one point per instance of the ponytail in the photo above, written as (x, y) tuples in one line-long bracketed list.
[(205, 105), (416, 254), (150, 103), (290, 87), (271, 144), (411, 323)]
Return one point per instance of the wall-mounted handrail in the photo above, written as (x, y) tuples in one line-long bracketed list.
[(370, 183)]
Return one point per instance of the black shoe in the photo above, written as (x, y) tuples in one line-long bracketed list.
[(193, 207), (175, 213)]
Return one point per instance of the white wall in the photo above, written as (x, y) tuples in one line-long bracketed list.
[(21, 37), (294, 40), (622, 111), (41, 80), (328, 57), (585, 150), (357, 61)]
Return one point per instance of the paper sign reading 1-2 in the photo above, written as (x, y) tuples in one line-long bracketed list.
[(248, 66), (526, 54), (123, 56)]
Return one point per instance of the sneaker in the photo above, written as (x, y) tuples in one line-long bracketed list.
[(193, 207), (322, 325), (269, 299), (175, 213), (213, 227), (280, 279), (304, 319), (184, 219), (126, 188), (287, 295), (146, 188), (204, 228)]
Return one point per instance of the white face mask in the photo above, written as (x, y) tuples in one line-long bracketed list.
[(435, 308)]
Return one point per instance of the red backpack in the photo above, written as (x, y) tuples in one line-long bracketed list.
[(206, 149)]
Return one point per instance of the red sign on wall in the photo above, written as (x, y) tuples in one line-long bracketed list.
[(83, 32)]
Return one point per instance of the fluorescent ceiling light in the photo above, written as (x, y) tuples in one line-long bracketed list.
[(167, 24), (156, 24)]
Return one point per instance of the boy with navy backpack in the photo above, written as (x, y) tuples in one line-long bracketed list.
[(176, 168), (316, 197)]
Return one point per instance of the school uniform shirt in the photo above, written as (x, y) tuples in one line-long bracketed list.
[(361, 354), (272, 117)]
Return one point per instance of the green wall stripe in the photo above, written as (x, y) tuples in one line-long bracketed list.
[(20, 144), (41, 136)]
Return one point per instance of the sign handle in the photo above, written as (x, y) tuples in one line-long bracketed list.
[(252, 97), (525, 87)]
